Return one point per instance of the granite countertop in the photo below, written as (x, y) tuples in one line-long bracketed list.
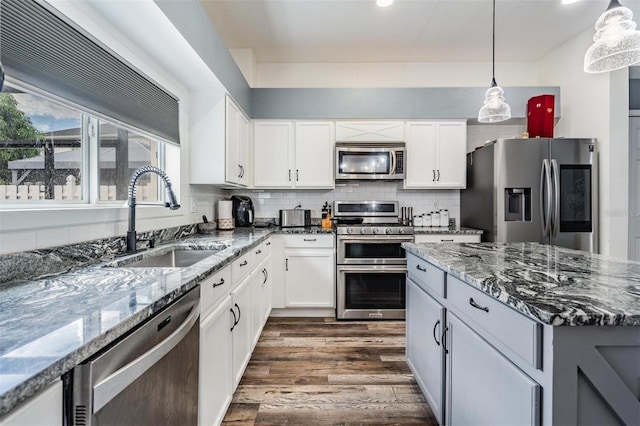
[(453, 231), (550, 284), (51, 324)]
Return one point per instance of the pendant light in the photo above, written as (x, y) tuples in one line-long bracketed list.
[(495, 109), (616, 43)]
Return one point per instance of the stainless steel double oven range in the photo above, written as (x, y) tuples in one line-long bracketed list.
[(371, 265)]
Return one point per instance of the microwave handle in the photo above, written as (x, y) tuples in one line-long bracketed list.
[(392, 170)]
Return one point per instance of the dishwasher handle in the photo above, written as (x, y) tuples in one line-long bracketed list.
[(107, 389)]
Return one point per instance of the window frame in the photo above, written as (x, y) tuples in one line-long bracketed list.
[(90, 150)]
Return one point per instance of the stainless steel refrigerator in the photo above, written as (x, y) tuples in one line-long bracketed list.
[(543, 190)]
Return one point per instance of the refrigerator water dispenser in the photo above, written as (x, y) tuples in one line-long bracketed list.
[(517, 204)]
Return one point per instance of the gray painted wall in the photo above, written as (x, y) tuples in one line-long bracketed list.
[(189, 17), (407, 103)]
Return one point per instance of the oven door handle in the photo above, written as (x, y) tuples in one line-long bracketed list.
[(377, 239), (372, 268)]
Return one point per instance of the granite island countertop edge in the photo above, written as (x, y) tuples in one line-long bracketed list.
[(555, 306)]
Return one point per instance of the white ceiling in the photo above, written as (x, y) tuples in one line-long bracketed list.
[(316, 31)]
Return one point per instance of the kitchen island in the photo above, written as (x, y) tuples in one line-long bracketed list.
[(524, 333)]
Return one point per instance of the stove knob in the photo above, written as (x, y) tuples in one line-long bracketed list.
[(401, 230), (389, 230), (376, 230), (363, 231), (349, 231)]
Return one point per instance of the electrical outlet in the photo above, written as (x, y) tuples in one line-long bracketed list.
[(194, 206)]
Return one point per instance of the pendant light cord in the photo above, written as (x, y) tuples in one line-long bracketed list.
[(493, 53)]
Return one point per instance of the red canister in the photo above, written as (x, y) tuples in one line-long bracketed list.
[(540, 116)]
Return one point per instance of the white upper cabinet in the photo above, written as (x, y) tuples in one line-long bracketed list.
[(293, 155), (370, 131), (314, 155), (436, 155), (219, 135), (272, 154), (237, 145)]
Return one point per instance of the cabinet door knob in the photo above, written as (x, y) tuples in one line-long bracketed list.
[(420, 268), (475, 305)]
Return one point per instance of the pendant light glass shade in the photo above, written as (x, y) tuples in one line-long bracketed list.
[(495, 109), (616, 43)]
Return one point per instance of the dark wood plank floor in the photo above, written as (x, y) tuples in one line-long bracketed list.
[(319, 371)]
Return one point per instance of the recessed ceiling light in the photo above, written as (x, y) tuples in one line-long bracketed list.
[(384, 3)]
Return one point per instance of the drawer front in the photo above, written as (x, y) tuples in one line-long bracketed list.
[(241, 267), (309, 241), (447, 238), (214, 289), (427, 276), (261, 251), (492, 318)]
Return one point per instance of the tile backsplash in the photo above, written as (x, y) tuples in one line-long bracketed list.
[(267, 203)]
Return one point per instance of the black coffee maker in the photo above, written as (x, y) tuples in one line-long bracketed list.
[(242, 210)]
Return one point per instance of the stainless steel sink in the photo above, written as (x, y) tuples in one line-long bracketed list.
[(176, 258)]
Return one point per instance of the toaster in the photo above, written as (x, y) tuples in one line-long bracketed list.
[(297, 217)]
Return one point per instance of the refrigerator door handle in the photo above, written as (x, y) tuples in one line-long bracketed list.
[(555, 221), (545, 213)]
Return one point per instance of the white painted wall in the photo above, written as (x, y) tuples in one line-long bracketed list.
[(366, 75), (142, 35), (596, 105)]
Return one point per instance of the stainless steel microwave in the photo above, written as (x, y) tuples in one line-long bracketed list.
[(370, 161)]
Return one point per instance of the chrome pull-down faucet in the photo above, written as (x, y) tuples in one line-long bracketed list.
[(172, 203)]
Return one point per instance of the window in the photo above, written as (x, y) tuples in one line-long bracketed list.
[(45, 151)]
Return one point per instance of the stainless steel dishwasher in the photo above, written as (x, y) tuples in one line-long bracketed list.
[(150, 377)]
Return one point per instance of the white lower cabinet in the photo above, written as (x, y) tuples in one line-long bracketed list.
[(424, 351), (241, 341), (484, 387), (43, 409), (309, 271), (260, 299), (215, 392)]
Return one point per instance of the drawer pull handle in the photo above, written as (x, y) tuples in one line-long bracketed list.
[(434, 332), (269, 243), (444, 241), (310, 239), (244, 263), (258, 251), (475, 305), (218, 284), (420, 268)]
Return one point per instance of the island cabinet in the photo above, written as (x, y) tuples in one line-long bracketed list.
[(290, 154), (436, 155), (505, 357), (465, 379)]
